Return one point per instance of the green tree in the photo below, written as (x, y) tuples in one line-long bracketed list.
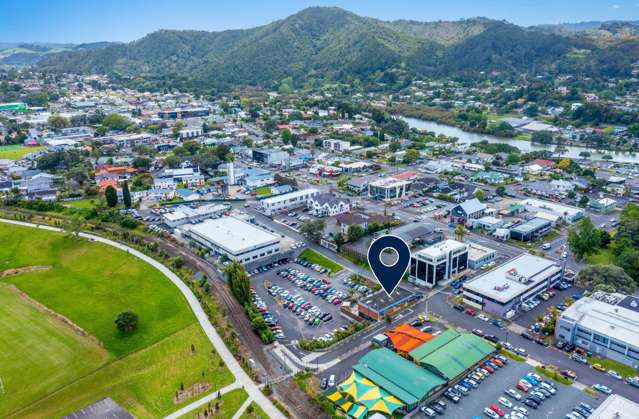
[(355, 232), (460, 232), (73, 226), (394, 146), (411, 156), (500, 190), (126, 322), (111, 196), (126, 195), (542, 137), (116, 122), (239, 282), (480, 194), (628, 260), (584, 239), (57, 122), (339, 240), (313, 229), (286, 136), (583, 201), (606, 277)]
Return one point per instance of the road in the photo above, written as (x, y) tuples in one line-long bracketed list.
[(242, 379)]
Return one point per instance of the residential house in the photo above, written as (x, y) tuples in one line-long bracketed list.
[(327, 205), (471, 209), (362, 219)]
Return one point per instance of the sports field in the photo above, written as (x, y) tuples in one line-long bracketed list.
[(89, 284), (16, 152)]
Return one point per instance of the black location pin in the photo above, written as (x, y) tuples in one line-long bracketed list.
[(388, 275)]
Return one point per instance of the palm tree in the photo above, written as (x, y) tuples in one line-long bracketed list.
[(460, 232)]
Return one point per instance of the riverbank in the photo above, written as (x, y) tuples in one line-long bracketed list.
[(571, 151)]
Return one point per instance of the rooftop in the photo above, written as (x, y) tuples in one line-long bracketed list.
[(400, 377), (381, 301), (406, 338), (513, 278), (441, 249), (531, 225), (552, 207), (616, 321), (290, 195), (232, 234), (616, 407)]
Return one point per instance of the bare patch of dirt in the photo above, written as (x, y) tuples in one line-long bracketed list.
[(18, 271), (59, 317), (188, 393)]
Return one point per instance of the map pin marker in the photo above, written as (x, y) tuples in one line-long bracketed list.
[(388, 274)]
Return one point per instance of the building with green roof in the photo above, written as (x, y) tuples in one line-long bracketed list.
[(452, 354), (398, 376)]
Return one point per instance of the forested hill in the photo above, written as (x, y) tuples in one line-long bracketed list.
[(334, 44)]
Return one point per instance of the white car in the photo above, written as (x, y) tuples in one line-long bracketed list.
[(615, 374), (521, 410), (483, 317), (505, 402), (513, 393), (488, 412)]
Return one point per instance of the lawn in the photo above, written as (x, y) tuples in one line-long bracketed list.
[(256, 412), (87, 203), (89, 283), (602, 257), (264, 191), (227, 406), (54, 353), (611, 364), (313, 257), (16, 152)]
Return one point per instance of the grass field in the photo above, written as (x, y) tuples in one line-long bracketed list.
[(89, 283), (257, 412), (264, 191), (611, 364), (313, 257), (602, 257), (16, 152), (87, 203), (227, 406)]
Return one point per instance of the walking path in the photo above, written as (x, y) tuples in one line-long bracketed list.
[(242, 378)]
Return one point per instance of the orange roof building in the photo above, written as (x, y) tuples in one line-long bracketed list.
[(104, 183), (406, 338)]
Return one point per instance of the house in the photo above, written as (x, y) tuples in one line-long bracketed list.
[(105, 183), (189, 176), (327, 205), (357, 184), (491, 177), (362, 219), (471, 209), (117, 173)]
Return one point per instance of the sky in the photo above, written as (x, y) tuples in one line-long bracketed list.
[(77, 21)]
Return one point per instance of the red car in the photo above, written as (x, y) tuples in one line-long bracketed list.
[(497, 409), (487, 369), (522, 387), (470, 311)]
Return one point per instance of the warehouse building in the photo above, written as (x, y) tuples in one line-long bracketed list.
[(438, 263), (566, 212), (605, 324), (380, 304), (616, 407), (288, 201), (530, 230), (184, 214), (235, 239), (506, 287), (452, 354)]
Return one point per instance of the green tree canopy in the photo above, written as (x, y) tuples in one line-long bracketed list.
[(111, 196), (126, 322), (606, 278), (584, 239)]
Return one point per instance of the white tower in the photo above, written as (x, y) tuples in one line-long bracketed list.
[(230, 174)]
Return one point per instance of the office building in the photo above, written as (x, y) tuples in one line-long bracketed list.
[(388, 188), (506, 287), (378, 305), (530, 230), (288, 201), (235, 239), (605, 324), (567, 213), (437, 263), (479, 256), (184, 214)]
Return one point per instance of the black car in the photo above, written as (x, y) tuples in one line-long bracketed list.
[(560, 344), (492, 338), (526, 335), (541, 341), (459, 307), (536, 399), (437, 408), (441, 403), (570, 347), (531, 403), (581, 411), (416, 323)]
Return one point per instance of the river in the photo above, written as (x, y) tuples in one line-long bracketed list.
[(525, 146)]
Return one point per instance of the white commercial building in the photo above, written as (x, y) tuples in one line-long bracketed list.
[(604, 324), (616, 407), (184, 214), (565, 212), (288, 201), (438, 263), (506, 287), (479, 256), (235, 239), (388, 188)]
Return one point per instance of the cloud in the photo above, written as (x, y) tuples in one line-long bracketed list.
[(616, 6)]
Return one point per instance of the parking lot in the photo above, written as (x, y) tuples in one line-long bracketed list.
[(293, 325), (493, 387)]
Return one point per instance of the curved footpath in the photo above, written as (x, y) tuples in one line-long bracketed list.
[(242, 380)]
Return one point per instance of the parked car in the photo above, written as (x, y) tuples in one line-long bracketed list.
[(614, 374), (601, 388), (598, 367), (511, 392)]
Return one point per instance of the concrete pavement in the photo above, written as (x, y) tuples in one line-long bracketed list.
[(242, 379)]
